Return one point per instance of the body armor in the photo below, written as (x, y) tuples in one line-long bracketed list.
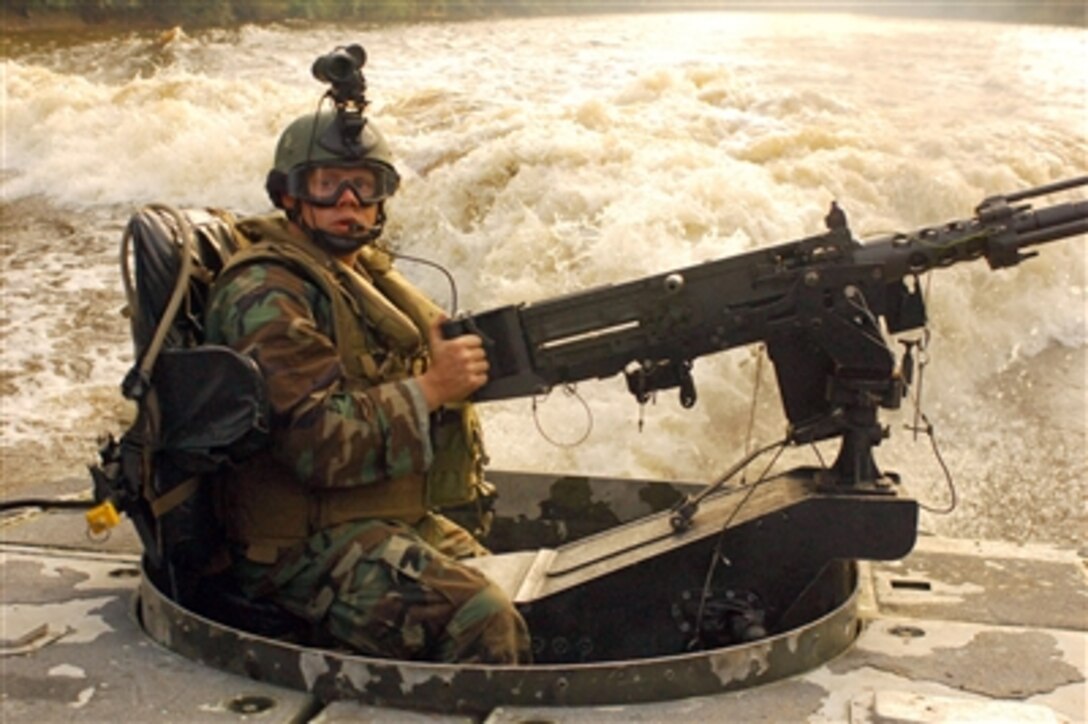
[(380, 322)]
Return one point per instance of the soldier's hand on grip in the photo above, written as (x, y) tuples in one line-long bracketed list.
[(458, 368)]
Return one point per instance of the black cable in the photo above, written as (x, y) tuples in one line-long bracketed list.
[(433, 265), (46, 504), (717, 554), (683, 511)]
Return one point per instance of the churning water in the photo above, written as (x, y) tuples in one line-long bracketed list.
[(551, 155)]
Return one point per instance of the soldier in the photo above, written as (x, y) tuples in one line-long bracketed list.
[(335, 522)]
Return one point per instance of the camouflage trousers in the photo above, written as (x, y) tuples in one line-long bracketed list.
[(389, 589)]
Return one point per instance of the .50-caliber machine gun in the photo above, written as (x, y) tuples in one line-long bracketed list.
[(817, 304), (757, 560)]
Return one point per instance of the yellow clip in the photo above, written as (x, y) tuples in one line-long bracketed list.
[(102, 517)]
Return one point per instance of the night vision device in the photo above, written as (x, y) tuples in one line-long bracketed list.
[(343, 70)]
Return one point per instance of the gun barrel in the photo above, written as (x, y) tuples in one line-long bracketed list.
[(1052, 223)]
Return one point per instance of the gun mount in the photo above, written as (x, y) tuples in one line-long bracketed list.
[(822, 305)]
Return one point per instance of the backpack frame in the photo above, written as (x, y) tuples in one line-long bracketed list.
[(199, 408)]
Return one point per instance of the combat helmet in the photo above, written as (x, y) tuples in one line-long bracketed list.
[(332, 138)]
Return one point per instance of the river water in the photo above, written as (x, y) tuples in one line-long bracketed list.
[(545, 156)]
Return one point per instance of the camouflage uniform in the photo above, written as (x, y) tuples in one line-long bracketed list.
[(386, 584)]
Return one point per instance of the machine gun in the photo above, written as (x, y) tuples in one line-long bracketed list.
[(817, 303)]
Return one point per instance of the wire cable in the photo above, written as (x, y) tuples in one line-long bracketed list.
[(433, 265), (571, 391), (921, 423), (952, 494), (761, 354), (717, 557), (46, 504)]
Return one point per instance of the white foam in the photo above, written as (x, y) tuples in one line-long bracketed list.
[(553, 155)]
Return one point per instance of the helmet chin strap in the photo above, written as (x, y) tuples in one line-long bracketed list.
[(335, 243)]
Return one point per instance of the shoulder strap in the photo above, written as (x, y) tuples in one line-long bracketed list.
[(269, 246), (383, 300), (138, 380)]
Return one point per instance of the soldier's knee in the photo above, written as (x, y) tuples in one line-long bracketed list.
[(487, 629)]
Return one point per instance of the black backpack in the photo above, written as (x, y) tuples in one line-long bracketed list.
[(200, 408)]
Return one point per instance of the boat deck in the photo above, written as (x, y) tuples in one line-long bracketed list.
[(958, 630)]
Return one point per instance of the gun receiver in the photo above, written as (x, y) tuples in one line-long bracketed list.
[(817, 303)]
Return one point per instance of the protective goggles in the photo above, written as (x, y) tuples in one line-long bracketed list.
[(371, 182)]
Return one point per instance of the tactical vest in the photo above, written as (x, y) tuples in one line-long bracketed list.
[(264, 507)]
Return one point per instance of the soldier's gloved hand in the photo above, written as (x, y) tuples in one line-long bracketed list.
[(458, 368)]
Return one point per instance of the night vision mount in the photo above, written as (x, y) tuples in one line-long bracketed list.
[(342, 69)]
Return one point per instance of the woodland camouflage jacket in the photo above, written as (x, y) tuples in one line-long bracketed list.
[(351, 436)]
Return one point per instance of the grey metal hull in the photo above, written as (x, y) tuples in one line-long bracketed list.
[(955, 630)]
